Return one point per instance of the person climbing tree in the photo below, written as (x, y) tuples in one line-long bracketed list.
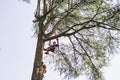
[(52, 47)]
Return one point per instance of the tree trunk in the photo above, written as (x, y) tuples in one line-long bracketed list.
[(38, 59)]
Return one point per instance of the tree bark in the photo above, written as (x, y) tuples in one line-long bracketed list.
[(38, 59)]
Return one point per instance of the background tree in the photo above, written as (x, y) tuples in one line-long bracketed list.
[(92, 27)]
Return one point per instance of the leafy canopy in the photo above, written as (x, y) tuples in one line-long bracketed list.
[(92, 31)]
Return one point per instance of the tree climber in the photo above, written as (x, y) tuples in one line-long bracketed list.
[(52, 47)]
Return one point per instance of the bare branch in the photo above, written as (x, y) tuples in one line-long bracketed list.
[(38, 9), (44, 7)]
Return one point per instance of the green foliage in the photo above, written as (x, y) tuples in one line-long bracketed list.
[(92, 27)]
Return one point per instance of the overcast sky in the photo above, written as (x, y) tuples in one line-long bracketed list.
[(17, 47)]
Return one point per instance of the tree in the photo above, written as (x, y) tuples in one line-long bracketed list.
[(92, 27)]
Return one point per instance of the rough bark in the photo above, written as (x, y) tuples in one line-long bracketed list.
[(38, 59)]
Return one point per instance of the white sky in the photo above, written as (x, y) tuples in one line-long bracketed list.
[(18, 48)]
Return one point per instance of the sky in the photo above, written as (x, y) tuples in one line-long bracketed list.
[(17, 46)]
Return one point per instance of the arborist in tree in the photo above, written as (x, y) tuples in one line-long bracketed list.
[(52, 47)]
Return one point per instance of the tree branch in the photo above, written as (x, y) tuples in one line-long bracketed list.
[(38, 9), (73, 47), (55, 26), (68, 34), (105, 26), (92, 65)]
